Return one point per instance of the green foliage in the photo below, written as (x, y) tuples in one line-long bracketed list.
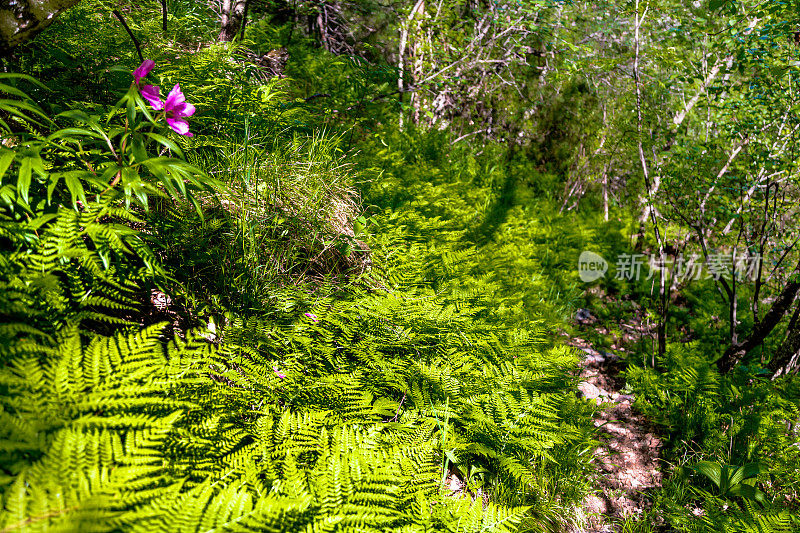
[(732, 480), (379, 395), (82, 429), (17, 104), (288, 215), (70, 266), (475, 227), (737, 419), (380, 303), (352, 407)]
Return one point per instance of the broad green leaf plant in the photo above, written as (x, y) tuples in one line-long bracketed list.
[(732, 480), (126, 150)]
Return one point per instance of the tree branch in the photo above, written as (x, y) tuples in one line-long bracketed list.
[(130, 33)]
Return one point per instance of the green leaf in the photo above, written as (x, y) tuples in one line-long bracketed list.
[(712, 471), (778, 72), (745, 472), (37, 164), (15, 107), (137, 148), (70, 133), (358, 226), (6, 157), (130, 110), (75, 187), (166, 142), (51, 185), (8, 89), (40, 221), (749, 492), (29, 79), (24, 179)]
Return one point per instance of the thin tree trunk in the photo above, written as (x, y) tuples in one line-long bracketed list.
[(164, 16), (401, 57), (416, 65), (761, 246), (130, 33), (225, 15), (605, 167), (605, 192), (232, 15), (736, 352), (244, 18), (322, 25), (650, 190), (787, 358), (733, 306), (722, 172), (679, 117), (401, 54)]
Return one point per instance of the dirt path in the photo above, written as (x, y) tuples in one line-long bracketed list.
[(628, 456)]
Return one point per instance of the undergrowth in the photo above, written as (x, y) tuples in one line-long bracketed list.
[(306, 317), (348, 333)]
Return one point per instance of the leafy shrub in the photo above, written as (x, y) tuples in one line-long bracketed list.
[(726, 422)]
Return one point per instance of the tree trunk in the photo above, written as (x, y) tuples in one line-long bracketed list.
[(164, 16), (244, 19), (787, 359), (232, 16), (21, 20), (605, 191), (401, 55), (764, 327), (651, 188)]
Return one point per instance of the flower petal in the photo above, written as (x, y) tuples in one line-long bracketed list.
[(177, 109), (174, 98), (179, 126), (151, 93), (143, 70), (189, 110)]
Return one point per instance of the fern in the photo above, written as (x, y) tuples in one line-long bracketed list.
[(72, 266), (97, 436)]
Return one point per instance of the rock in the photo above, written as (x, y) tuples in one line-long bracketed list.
[(596, 359), (610, 356), (584, 316), (160, 301), (588, 391), (454, 483), (590, 354), (593, 357)]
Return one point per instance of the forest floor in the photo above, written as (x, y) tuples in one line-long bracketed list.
[(628, 465)]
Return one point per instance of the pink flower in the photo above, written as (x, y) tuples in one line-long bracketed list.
[(312, 316), (151, 94), (175, 107), (143, 70), (278, 372)]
